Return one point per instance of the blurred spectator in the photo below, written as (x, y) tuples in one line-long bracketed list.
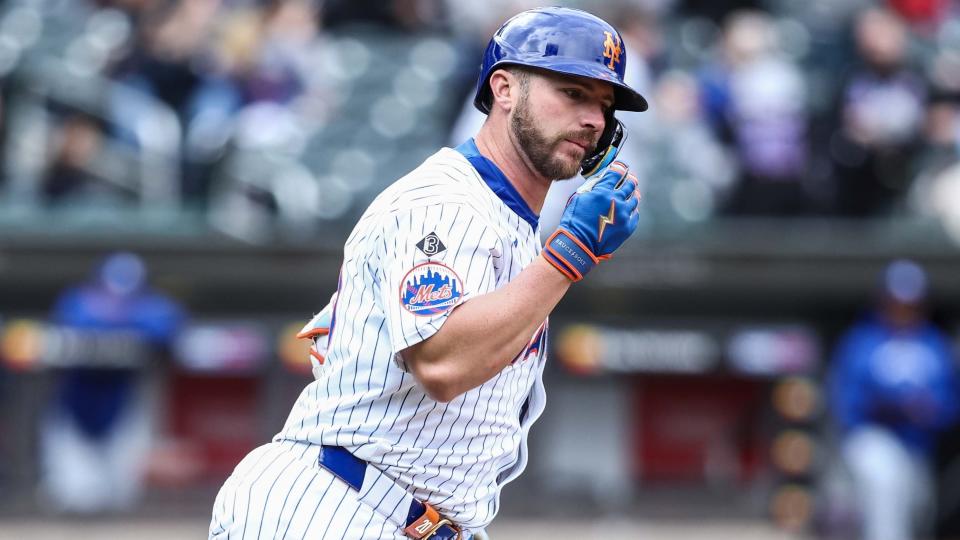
[(893, 388), (936, 186), (477, 21), (880, 116), (756, 100), (170, 61), (74, 171), (4, 127), (407, 15), (941, 136), (266, 52), (96, 434), (677, 189), (924, 15), (714, 10), (643, 37), (266, 87), (166, 60)]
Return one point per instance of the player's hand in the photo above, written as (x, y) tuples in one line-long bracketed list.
[(598, 218), (317, 330)]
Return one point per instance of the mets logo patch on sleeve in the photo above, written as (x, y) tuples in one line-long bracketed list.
[(430, 288)]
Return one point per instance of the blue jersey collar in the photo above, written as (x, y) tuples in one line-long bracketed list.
[(498, 182)]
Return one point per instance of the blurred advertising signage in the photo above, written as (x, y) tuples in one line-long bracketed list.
[(776, 350), (750, 350), (27, 344), (587, 349), (222, 347)]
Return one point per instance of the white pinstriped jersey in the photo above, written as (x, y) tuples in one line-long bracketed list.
[(445, 233)]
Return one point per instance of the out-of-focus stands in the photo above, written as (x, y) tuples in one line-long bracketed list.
[(198, 117), (258, 121), (790, 152)]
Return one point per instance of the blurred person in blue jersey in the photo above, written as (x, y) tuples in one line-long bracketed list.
[(893, 388), (95, 435)]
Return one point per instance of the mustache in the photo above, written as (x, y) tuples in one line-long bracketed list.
[(588, 137)]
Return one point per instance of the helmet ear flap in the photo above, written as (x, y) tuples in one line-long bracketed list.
[(611, 141), (613, 131), (484, 99)]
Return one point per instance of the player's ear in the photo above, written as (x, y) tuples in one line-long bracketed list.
[(504, 90)]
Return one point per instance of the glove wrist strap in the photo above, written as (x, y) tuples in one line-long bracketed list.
[(569, 255)]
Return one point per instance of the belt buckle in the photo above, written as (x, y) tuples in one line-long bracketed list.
[(427, 525), (433, 530)]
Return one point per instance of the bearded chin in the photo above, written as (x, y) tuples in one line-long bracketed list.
[(539, 149)]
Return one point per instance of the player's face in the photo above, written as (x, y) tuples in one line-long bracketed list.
[(558, 120)]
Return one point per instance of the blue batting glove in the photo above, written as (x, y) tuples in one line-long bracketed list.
[(598, 218)]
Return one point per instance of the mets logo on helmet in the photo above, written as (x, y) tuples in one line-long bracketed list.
[(612, 49)]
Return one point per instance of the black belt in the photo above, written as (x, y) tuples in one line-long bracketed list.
[(423, 521)]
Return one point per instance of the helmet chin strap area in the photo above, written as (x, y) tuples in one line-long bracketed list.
[(609, 145)]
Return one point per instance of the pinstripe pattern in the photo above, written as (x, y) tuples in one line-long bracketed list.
[(455, 455), (315, 505)]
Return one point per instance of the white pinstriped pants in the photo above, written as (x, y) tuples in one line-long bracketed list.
[(280, 491)]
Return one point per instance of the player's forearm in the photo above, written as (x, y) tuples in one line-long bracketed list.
[(484, 335)]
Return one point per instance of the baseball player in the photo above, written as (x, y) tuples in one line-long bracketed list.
[(432, 371)]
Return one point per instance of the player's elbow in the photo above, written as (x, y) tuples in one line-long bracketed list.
[(438, 383), (435, 376), (434, 369), (441, 394)]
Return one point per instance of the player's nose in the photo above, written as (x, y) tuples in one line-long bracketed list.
[(592, 117)]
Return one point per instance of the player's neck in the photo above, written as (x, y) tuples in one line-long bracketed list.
[(497, 146)]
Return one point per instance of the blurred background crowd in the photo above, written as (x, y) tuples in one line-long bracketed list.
[(244, 115), (779, 342)]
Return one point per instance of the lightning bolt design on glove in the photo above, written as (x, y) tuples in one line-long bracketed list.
[(605, 220)]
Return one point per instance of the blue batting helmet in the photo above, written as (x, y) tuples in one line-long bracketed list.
[(563, 40)]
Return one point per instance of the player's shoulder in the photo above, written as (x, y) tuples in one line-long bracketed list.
[(445, 178), (450, 163), (443, 188), (447, 172)]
